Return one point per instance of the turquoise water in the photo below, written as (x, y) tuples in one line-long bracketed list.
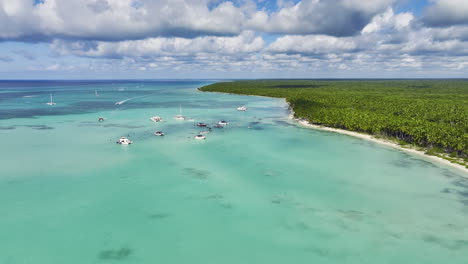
[(261, 190)]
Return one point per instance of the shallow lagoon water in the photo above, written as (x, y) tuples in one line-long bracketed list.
[(271, 193)]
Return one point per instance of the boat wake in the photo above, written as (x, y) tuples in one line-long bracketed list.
[(126, 100)]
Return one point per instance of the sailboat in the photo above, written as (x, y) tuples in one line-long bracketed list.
[(96, 93), (51, 101), (180, 116)]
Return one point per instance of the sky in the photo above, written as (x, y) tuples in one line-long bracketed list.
[(235, 39)]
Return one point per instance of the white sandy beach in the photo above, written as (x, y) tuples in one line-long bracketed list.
[(381, 141), (368, 137)]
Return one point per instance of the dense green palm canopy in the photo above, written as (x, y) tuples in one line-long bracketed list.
[(428, 113)]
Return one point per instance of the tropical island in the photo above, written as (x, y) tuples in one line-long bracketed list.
[(426, 115)]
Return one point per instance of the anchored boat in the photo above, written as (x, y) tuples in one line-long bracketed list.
[(159, 133), (200, 137), (180, 116), (124, 141), (51, 101), (156, 119)]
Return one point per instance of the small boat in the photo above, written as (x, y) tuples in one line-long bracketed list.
[(101, 119), (159, 133), (119, 103), (51, 101), (180, 116), (218, 126), (96, 93), (223, 123), (204, 132), (156, 119), (200, 137), (124, 141), (242, 108), (201, 125)]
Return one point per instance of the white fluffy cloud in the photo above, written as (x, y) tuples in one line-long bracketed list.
[(117, 19), (446, 13), (237, 35), (314, 45), (330, 17), (246, 42)]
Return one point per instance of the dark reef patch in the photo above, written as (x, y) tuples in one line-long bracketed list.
[(197, 173), (40, 127), (352, 214), (453, 245), (7, 127), (118, 254)]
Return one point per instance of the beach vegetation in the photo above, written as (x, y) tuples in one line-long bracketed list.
[(426, 113)]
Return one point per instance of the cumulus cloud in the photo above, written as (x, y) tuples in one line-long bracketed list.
[(25, 54), (314, 45), (114, 20), (5, 59), (329, 17), (388, 22), (237, 35), (246, 42), (446, 13)]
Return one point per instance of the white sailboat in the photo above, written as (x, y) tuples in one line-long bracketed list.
[(96, 93), (180, 116), (51, 101)]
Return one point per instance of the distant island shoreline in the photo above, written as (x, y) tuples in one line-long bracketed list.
[(460, 164)]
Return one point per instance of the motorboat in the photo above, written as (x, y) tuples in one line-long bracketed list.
[(101, 119), (51, 101), (200, 137), (159, 133), (242, 108), (156, 119), (223, 123), (201, 125), (124, 141)]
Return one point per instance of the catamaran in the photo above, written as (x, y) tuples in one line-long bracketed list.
[(180, 116), (51, 101)]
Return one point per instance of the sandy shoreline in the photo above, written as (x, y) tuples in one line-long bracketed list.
[(381, 141), (368, 137)]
